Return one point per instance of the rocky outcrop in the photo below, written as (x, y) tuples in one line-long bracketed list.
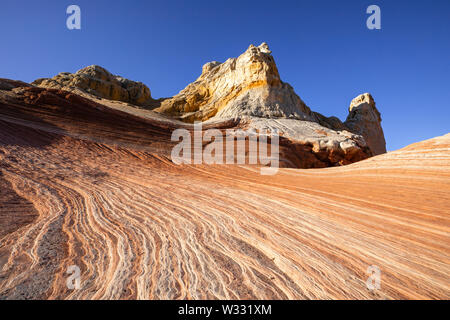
[(99, 82), (365, 119), (247, 88), (249, 85), (310, 145)]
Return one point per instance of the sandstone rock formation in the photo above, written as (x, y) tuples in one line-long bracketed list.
[(249, 87), (303, 144), (99, 82), (88, 185), (365, 119), (245, 86), (312, 145)]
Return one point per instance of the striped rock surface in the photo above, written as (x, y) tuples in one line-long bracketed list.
[(89, 194)]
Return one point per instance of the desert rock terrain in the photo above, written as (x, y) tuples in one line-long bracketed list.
[(91, 184), (247, 88)]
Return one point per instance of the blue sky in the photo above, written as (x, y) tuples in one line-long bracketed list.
[(322, 48)]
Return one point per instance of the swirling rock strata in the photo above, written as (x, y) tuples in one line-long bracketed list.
[(303, 144), (80, 187)]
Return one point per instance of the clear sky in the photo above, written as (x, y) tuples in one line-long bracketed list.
[(322, 48)]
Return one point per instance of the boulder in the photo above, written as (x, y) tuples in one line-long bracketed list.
[(99, 82)]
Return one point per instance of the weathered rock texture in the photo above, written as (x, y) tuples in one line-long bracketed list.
[(250, 87), (365, 119), (245, 86), (314, 146), (303, 144), (87, 185), (99, 82)]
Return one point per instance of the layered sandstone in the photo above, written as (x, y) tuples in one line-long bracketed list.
[(303, 144), (90, 185)]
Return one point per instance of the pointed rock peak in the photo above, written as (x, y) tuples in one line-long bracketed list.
[(365, 102), (264, 47), (362, 98), (248, 85), (365, 119)]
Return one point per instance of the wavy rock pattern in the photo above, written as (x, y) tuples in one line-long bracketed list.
[(102, 194)]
